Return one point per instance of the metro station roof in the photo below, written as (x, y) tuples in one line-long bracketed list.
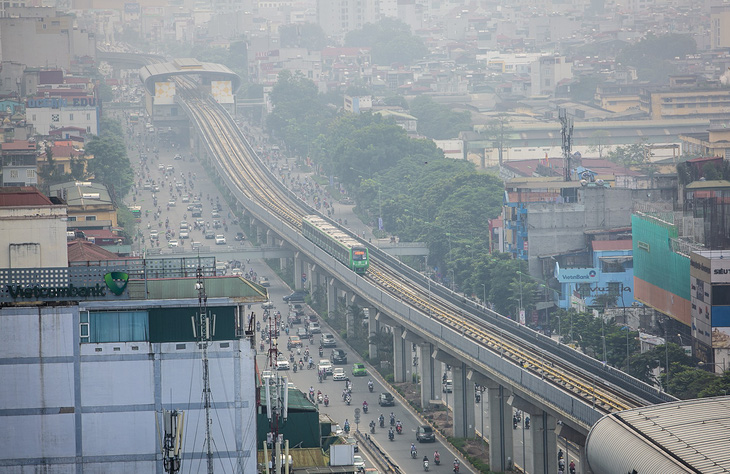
[(682, 436), (159, 72)]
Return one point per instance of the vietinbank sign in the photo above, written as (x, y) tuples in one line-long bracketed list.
[(114, 282), (573, 275)]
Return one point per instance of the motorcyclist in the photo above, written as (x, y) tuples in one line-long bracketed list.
[(372, 426), (436, 457), (425, 462), (365, 406), (414, 451), (571, 467), (398, 427), (326, 400), (392, 419), (391, 435), (348, 399), (370, 385), (456, 465), (347, 426), (381, 418)]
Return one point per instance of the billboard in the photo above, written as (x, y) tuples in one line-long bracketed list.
[(222, 91), (574, 275), (164, 93)]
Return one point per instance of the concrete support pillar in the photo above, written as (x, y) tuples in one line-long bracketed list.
[(570, 435), (544, 443), (373, 329), (400, 355), (311, 284), (298, 267), (463, 402), (501, 443), (331, 296), (350, 300), (429, 379), (270, 239)]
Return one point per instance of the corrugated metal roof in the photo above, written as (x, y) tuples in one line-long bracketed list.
[(606, 245), (229, 287), (13, 196), (683, 436), (715, 183)]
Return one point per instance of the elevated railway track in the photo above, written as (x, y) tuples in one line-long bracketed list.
[(605, 389)]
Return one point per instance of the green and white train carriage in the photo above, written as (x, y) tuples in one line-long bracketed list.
[(336, 243)]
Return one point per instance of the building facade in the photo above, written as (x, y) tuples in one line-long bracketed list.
[(85, 382), (19, 163), (32, 229)]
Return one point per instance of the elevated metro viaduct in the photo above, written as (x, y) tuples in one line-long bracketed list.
[(553, 410), (161, 104)]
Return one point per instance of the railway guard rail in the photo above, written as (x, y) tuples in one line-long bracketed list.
[(483, 359)]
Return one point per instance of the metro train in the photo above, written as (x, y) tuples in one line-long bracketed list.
[(332, 240)]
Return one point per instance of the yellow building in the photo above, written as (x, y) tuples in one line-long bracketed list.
[(89, 205), (714, 142), (685, 98)]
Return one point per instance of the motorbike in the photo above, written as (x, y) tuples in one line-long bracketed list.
[(399, 428), (348, 400), (372, 427), (370, 386), (527, 422), (365, 408), (425, 465), (436, 459), (391, 436), (321, 352), (326, 401), (456, 467), (295, 368), (347, 427), (382, 421), (414, 453), (320, 398), (392, 420)]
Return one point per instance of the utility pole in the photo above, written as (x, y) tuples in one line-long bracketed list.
[(205, 331)]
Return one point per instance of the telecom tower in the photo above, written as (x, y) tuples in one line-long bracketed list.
[(204, 325), (276, 403), (567, 134)]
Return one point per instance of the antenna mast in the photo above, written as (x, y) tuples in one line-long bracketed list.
[(567, 134), (204, 338)]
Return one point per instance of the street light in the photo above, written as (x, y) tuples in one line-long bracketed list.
[(702, 364)]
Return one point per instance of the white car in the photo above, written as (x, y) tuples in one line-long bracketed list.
[(359, 462), (220, 239), (184, 234), (282, 364), (339, 374), (326, 365), (172, 243)]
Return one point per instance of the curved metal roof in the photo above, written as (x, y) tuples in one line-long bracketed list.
[(683, 436), (183, 66)]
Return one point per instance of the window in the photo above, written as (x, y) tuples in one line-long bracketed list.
[(70, 116), (84, 326), (614, 288), (121, 326), (55, 118), (88, 116), (30, 173), (90, 218), (71, 218)]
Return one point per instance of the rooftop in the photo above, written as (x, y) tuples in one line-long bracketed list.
[(14, 196), (608, 245), (84, 251)]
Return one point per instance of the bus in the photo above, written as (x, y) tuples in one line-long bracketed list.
[(137, 213)]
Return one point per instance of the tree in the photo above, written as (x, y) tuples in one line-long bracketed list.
[(308, 35), (599, 142), (437, 121), (497, 131), (391, 42), (110, 165)]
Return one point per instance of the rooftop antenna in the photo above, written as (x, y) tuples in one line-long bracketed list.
[(566, 125), (203, 325)]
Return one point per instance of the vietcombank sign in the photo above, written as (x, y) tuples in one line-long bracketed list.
[(114, 284)]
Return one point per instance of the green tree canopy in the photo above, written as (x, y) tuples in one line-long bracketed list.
[(438, 121), (300, 115), (651, 56), (110, 165), (307, 35), (391, 42)]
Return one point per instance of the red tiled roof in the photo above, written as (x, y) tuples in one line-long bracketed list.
[(607, 245), (16, 145), (85, 251), (15, 196), (64, 151), (100, 234)]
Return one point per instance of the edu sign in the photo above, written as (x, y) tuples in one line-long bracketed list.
[(577, 275), (55, 103)]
